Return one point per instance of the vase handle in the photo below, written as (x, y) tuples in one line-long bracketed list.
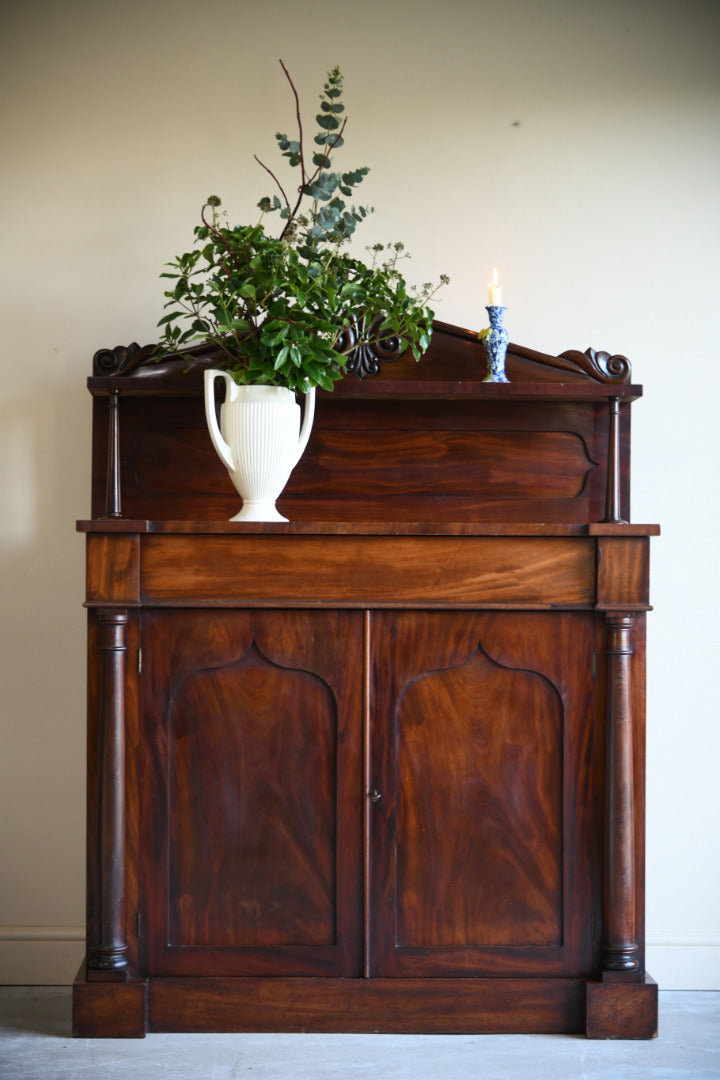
[(307, 422), (223, 450)]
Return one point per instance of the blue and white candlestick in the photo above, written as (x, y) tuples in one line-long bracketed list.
[(495, 341)]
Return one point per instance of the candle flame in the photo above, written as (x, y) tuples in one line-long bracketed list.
[(495, 275)]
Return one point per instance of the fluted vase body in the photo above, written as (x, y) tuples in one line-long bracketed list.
[(259, 440)]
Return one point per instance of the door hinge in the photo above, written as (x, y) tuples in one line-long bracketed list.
[(139, 661), (138, 924), (594, 664)]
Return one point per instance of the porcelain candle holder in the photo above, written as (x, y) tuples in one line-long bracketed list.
[(259, 440), (495, 341)]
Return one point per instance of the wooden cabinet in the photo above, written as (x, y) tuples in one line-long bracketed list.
[(370, 771)]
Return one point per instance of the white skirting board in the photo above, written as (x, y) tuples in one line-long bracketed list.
[(684, 965), (51, 956)]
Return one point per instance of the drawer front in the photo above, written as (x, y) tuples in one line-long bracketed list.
[(369, 571)]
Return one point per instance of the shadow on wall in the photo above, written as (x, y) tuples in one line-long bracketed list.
[(44, 482), (44, 486), (19, 480)]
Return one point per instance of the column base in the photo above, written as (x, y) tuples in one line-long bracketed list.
[(620, 1008), (109, 1010)]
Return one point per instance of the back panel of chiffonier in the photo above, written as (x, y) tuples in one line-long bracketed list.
[(416, 442)]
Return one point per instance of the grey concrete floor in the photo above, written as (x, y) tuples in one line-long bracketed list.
[(35, 1044)]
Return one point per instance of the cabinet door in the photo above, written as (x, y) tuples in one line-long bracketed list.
[(485, 834), (251, 792)]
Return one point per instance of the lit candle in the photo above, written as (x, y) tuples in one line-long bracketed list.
[(495, 290)]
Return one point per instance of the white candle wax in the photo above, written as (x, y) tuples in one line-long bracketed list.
[(495, 290)]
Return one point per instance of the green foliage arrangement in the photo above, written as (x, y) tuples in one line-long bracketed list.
[(286, 310)]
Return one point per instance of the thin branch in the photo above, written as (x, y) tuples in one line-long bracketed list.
[(217, 233), (299, 123), (267, 170)]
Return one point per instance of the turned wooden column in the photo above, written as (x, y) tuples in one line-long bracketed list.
[(107, 951), (613, 497), (619, 948), (113, 496)]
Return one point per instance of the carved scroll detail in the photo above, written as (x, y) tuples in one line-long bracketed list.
[(602, 366), (141, 361), (122, 359), (365, 359)]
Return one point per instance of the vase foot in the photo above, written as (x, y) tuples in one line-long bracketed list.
[(258, 511)]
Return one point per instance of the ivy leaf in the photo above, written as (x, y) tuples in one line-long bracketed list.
[(282, 357), (324, 381), (281, 334)]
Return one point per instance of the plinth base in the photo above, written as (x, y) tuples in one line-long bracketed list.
[(621, 1009), (412, 1006), (109, 1010)]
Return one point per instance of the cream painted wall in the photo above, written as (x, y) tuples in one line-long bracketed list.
[(572, 143)]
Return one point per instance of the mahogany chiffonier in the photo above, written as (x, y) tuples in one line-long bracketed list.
[(380, 768)]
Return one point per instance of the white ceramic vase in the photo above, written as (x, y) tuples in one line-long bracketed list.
[(259, 440)]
